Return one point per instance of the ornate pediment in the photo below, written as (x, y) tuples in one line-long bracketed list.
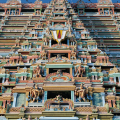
[(59, 59), (59, 77), (80, 4), (58, 100), (38, 4), (105, 2), (14, 2)]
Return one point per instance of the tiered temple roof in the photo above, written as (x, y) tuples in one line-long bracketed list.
[(59, 60)]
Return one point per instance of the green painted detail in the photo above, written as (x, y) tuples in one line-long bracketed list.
[(21, 98), (105, 79), (114, 75), (1, 103), (2, 75), (12, 79), (97, 99), (22, 74), (59, 66), (8, 90)]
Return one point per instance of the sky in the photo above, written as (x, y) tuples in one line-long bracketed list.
[(46, 1)]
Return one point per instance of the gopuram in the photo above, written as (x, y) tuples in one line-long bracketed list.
[(59, 60)]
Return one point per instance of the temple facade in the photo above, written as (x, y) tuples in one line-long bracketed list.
[(59, 60)]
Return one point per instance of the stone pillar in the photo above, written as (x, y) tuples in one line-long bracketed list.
[(70, 71), (30, 46), (109, 103), (15, 99), (69, 56), (19, 11), (3, 80), (45, 96), (52, 23), (119, 79), (27, 93), (89, 60), (22, 46), (115, 79), (47, 71), (68, 42), (31, 73), (86, 70), (92, 77), (118, 104), (103, 98), (99, 11), (5, 11), (65, 23), (40, 11), (4, 103), (73, 70), (42, 98), (9, 11), (78, 12), (95, 77), (44, 72), (49, 43), (88, 47), (21, 77), (48, 56), (113, 10), (82, 60), (25, 77), (72, 96), (113, 103), (73, 43), (95, 46)]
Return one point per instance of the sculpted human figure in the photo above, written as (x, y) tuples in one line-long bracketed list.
[(73, 54), (59, 72), (58, 57), (29, 117), (34, 93), (81, 93), (79, 71), (66, 13), (47, 31), (37, 71), (43, 54)]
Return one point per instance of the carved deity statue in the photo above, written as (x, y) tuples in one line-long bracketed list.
[(35, 93), (37, 72), (81, 93), (79, 71), (59, 72), (43, 54), (47, 31), (73, 55), (29, 117), (58, 98), (58, 57)]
